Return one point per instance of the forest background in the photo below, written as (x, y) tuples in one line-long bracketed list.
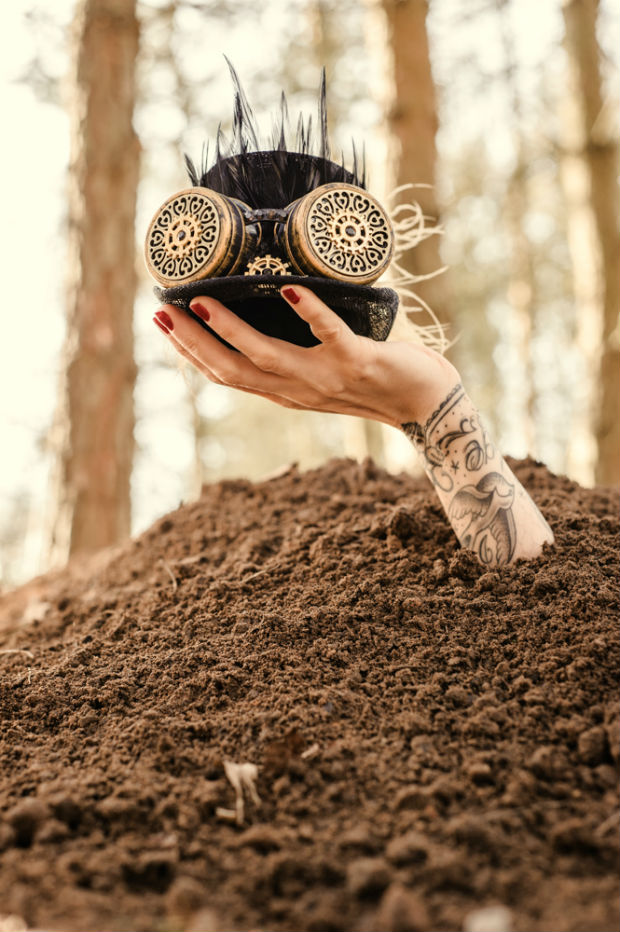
[(507, 112)]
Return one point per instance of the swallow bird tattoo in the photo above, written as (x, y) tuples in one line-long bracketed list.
[(488, 506)]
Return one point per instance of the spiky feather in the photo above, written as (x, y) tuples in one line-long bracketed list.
[(276, 175)]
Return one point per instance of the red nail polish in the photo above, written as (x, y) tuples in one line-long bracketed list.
[(161, 326), (291, 295), (165, 319), (200, 311)]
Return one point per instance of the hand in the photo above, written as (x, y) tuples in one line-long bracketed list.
[(392, 382)]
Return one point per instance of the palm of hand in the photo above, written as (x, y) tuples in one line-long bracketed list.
[(347, 374)]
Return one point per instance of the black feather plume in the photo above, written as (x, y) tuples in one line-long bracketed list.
[(278, 176)]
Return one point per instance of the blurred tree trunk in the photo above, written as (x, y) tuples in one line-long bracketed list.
[(361, 437), (521, 292), (522, 282), (591, 180), (93, 430), (194, 381), (413, 122)]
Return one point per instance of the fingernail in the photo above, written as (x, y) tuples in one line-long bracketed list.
[(161, 326), (200, 311), (291, 295), (164, 319)]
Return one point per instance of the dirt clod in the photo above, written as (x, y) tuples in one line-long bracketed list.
[(401, 910), (592, 745), (368, 876)]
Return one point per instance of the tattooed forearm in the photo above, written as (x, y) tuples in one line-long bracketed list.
[(482, 518), (489, 510), (454, 420)]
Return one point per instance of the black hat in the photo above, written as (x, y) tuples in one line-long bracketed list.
[(258, 220)]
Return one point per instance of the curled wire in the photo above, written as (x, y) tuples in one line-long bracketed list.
[(411, 227)]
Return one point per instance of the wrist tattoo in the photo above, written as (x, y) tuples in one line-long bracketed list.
[(439, 440)]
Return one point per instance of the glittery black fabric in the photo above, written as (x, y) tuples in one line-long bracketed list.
[(369, 312)]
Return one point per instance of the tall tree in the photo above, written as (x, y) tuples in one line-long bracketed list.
[(522, 283), (413, 122), (93, 429), (361, 437), (591, 180)]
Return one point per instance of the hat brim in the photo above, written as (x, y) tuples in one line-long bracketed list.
[(256, 299)]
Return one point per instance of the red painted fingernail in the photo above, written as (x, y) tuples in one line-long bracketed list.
[(161, 326), (291, 295), (164, 319), (200, 311)]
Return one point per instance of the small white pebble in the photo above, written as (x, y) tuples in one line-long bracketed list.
[(12, 923), (35, 611), (488, 919), (221, 813)]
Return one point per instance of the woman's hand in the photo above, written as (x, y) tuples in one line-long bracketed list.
[(395, 383)]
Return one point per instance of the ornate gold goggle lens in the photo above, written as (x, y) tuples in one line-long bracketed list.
[(339, 231), (335, 231), (195, 234)]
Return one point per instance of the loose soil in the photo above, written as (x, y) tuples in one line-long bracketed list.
[(430, 737)]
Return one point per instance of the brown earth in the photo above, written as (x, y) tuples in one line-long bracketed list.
[(431, 737)]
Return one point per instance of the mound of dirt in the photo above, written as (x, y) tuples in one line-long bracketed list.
[(297, 705)]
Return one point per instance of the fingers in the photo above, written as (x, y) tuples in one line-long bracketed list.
[(216, 361), (320, 378), (267, 353), (208, 373), (227, 367), (324, 323)]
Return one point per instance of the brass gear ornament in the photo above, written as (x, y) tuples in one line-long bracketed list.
[(349, 231), (268, 265), (182, 237)]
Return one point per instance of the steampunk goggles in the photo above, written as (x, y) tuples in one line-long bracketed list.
[(337, 231)]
